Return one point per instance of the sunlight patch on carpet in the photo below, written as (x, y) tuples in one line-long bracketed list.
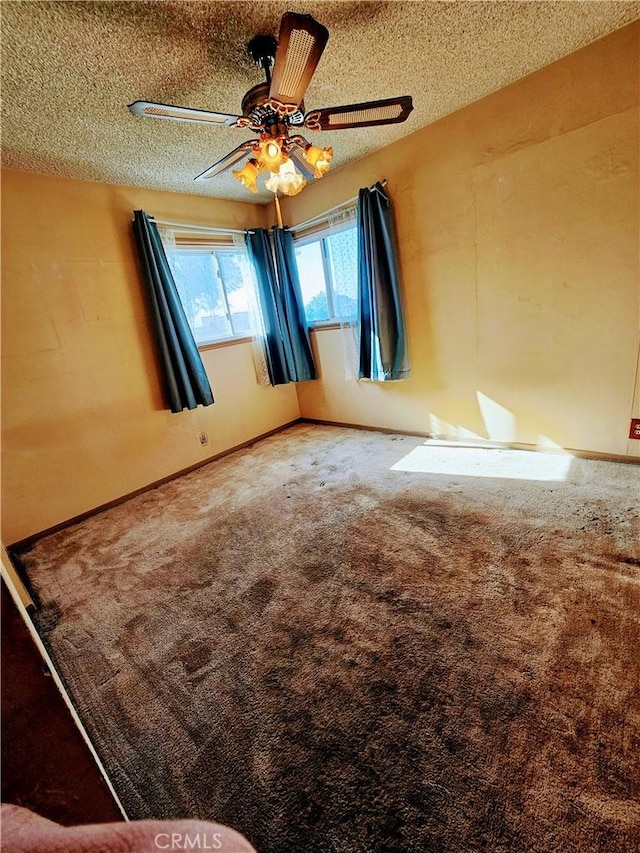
[(482, 462)]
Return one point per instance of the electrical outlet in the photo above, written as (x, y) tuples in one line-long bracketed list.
[(634, 431), (204, 439)]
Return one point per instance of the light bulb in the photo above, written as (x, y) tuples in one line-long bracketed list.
[(269, 152)]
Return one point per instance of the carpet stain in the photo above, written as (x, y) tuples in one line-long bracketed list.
[(195, 654), (331, 655)]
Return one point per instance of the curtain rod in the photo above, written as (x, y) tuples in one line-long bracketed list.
[(327, 212), (192, 227)]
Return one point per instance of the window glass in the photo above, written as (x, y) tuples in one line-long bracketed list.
[(234, 278), (212, 286), (312, 281), (343, 258), (328, 271)]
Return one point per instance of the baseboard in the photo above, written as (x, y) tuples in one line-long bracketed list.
[(366, 427), (481, 442)]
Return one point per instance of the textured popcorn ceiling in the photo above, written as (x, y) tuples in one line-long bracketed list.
[(69, 69)]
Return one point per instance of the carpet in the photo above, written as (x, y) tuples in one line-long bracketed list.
[(330, 642)]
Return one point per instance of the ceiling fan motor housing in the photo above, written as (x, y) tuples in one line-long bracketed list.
[(264, 117)]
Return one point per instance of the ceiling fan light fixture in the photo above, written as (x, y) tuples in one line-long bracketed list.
[(286, 180), (270, 153), (248, 175), (319, 159)]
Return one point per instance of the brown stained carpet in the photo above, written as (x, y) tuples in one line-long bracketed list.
[(331, 655)]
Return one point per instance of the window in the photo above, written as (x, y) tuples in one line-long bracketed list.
[(328, 271), (213, 283)]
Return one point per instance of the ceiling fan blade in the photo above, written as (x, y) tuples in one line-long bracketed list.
[(168, 111), (296, 152), (227, 161), (300, 44), (390, 111)]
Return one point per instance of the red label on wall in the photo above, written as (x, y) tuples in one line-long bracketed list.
[(634, 432)]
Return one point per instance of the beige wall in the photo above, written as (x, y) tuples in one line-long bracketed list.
[(82, 413), (518, 230)]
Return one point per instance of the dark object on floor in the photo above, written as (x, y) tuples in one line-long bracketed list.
[(46, 765), (331, 642)]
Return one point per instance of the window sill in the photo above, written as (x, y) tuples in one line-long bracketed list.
[(324, 324), (224, 342)]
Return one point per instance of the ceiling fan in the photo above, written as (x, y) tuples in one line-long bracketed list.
[(275, 111)]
